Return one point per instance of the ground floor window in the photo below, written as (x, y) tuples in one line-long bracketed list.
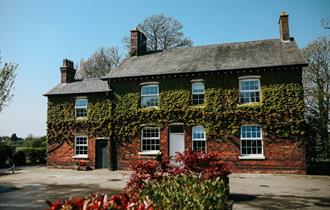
[(80, 146), (150, 139), (198, 138), (251, 140)]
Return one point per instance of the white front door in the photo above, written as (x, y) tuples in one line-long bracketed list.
[(176, 143)]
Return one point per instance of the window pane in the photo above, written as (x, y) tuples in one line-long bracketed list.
[(249, 91), (198, 145), (150, 139), (251, 142), (81, 145), (149, 90), (149, 101), (198, 133), (81, 103), (197, 99), (198, 88)]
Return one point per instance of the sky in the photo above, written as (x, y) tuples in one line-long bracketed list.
[(38, 34)]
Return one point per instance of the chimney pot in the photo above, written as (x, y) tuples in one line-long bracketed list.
[(138, 42), (284, 26), (67, 71)]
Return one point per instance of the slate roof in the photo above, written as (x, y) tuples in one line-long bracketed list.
[(80, 86), (229, 56)]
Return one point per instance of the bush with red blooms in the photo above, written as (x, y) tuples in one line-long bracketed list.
[(189, 162), (195, 164), (100, 202)]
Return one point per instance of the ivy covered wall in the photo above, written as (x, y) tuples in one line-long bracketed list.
[(280, 112), (62, 125)]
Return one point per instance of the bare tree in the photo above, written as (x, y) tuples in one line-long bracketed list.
[(162, 33), (7, 79), (316, 79), (325, 23), (100, 63)]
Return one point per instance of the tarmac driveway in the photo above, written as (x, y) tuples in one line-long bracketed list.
[(31, 186)]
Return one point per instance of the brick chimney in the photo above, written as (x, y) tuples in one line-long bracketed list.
[(138, 43), (67, 71), (284, 27)]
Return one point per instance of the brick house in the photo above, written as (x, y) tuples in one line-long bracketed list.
[(242, 100)]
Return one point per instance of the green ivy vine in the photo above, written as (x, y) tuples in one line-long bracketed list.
[(119, 115)]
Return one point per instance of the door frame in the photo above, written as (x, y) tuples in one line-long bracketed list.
[(169, 136), (107, 140)]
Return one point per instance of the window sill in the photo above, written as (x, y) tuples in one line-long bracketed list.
[(250, 157), (153, 152), (198, 106), (80, 156), (150, 107), (249, 104), (81, 118)]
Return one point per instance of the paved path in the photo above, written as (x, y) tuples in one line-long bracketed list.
[(30, 187), (267, 191)]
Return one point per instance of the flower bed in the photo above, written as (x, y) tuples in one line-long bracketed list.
[(194, 182)]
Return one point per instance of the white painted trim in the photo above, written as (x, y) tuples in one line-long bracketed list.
[(177, 123), (197, 80), (249, 77), (102, 138), (80, 156), (151, 152), (252, 157), (149, 83)]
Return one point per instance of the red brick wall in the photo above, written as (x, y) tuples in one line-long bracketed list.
[(128, 153), (62, 155), (281, 156)]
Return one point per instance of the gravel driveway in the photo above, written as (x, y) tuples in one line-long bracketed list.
[(31, 186)]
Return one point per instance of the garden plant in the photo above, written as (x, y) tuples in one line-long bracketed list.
[(195, 181)]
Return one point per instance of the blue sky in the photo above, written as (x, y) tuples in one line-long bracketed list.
[(38, 34)]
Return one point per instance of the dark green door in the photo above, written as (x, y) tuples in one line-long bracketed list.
[(102, 154)]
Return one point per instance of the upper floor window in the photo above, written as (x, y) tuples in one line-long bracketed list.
[(150, 139), (149, 95), (198, 92), (251, 140), (81, 107), (198, 138), (80, 146), (249, 90)]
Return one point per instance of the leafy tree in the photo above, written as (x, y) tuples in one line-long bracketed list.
[(162, 33), (14, 137), (35, 142), (100, 63), (316, 79), (7, 78)]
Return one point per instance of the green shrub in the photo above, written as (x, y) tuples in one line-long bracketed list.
[(6, 153), (30, 155), (187, 192), (19, 157), (35, 155)]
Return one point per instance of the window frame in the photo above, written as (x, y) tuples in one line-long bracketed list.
[(195, 82), (149, 152), (251, 156), (198, 139), (149, 84), (249, 78), (81, 107), (75, 155)]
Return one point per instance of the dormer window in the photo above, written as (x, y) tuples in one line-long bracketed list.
[(249, 89), (198, 92), (149, 95), (81, 107)]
